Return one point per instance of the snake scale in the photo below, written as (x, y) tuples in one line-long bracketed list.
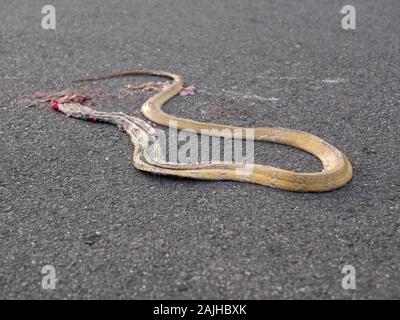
[(337, 170)]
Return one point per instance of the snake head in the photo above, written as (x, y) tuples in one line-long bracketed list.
[(76, 110)]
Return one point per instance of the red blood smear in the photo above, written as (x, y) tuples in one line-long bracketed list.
[(93, 119), (54, 105)]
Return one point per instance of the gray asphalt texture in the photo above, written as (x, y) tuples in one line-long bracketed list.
[(71, 198)]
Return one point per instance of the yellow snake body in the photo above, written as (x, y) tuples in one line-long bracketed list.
[(337, 170)]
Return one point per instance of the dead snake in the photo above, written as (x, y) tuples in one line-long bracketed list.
[(337, 170)]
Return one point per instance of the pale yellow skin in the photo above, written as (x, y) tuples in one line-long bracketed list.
[(337, 170)]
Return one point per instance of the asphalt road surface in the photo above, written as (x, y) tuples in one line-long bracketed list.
[(70, 198)]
